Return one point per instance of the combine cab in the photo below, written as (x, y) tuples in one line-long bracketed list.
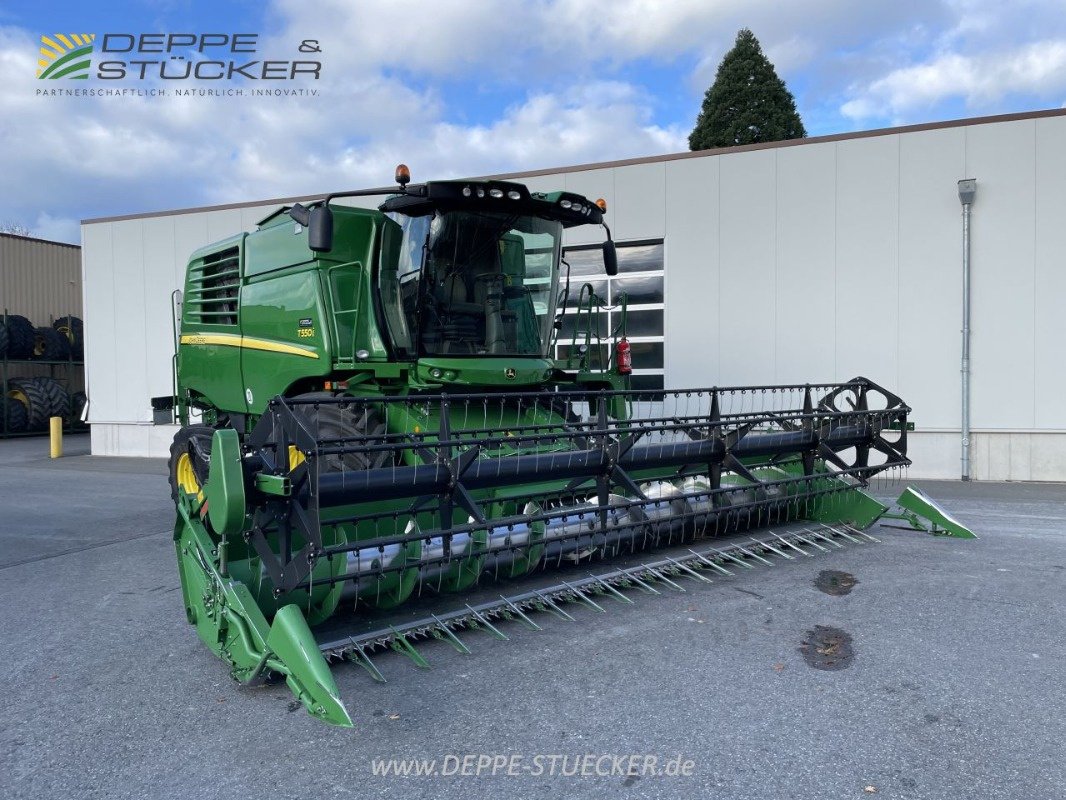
[(374, 422)]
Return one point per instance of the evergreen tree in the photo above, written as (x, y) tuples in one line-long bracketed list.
[(747, 103)]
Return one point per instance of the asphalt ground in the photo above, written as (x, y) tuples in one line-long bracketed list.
[(956, 688)]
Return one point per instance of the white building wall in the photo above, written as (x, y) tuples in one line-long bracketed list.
[(811, 262)]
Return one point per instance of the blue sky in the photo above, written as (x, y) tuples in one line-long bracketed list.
[(464, 87)]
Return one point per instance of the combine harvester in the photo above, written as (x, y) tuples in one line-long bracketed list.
[(373, 418)]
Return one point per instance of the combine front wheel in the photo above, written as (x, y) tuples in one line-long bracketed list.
[(190, 456)]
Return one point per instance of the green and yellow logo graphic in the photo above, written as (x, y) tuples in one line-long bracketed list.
[(65, 55)]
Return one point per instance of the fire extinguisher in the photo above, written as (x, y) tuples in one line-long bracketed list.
[(623, 357)]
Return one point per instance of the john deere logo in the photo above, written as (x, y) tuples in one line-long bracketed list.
[(510, 373), (65, 55)]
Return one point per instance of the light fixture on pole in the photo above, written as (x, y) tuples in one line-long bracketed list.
[(967, 192)]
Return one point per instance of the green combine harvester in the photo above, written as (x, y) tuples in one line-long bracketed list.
[(373, 419)]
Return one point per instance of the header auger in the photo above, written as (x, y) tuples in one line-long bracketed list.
[(382, 422)]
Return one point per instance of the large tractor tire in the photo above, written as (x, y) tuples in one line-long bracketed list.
[(58, 398), (13, 417), (190, 459), (20, 337), (50, 345), (3, 338), (34, 398), (339, 422), (72, 329), (352, 422)]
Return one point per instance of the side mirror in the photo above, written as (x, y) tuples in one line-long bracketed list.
[(320, 229), (610, 258), (300, 214)]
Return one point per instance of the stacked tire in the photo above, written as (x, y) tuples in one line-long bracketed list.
[(18, 337), (13, 417), (30, 402), (50, 345), (72, 330), (63, 339)]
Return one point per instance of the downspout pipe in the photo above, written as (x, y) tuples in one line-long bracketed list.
[(967, 191)]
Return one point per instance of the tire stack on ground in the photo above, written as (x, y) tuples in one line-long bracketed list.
[(13, 417), (30, 402), (40, 398)]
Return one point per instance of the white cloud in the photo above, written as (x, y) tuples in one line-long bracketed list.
[(592, 123), (57, 229), (446, 37), (390, 68), (792, 54), (987, 56), (73, 157), (1037, 69), (458, 37), (508, 41), (599, 121)]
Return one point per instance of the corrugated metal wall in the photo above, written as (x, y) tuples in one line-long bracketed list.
[(41, 281), (38, 279)]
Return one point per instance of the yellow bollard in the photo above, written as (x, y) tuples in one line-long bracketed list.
[(55, 435)]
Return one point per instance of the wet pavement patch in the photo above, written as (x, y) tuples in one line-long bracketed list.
[(827, 648), (835, 582)]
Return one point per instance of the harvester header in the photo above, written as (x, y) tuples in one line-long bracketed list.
[(374, 419)]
